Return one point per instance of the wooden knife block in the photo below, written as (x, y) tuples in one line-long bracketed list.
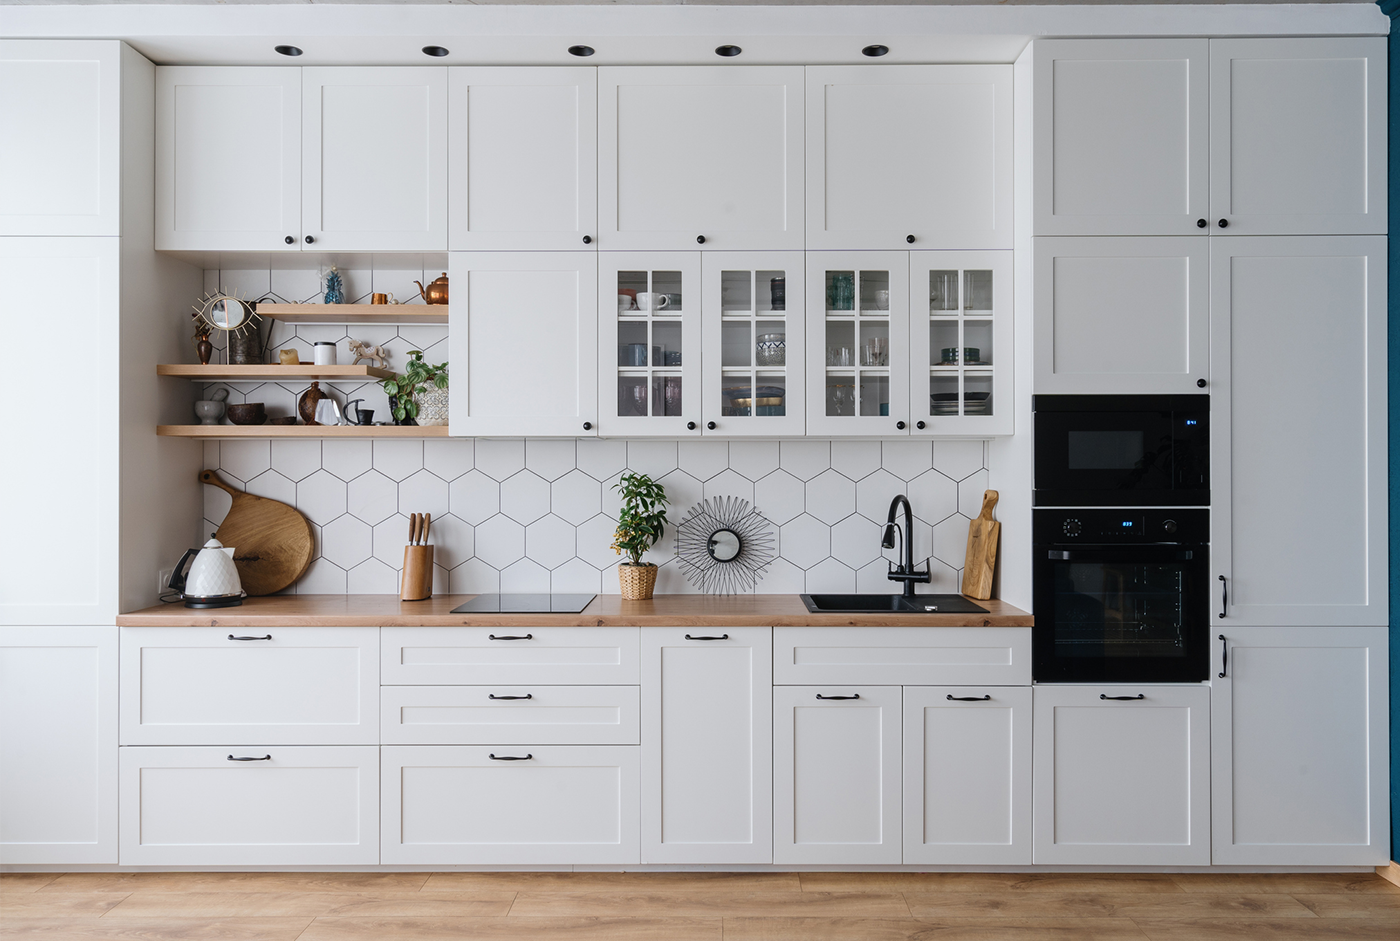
[(417, 573)]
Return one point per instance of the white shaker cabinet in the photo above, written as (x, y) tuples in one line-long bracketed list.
[(1298, 431), (523, 339), (1299, 737), (1122, 775), (228, 158), (707, 757), (693, 157), (909, 156), (374, 159), (1298, 136), (58, 735), (60, 152), (1127, 316), (522, 159)]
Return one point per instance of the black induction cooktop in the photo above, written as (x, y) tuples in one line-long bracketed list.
[(525, 604)]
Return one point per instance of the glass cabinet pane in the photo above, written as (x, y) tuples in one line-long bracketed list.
[(942, 291), (979, 290), (649, 343), (840, 290), (963, 328), (753, 343)]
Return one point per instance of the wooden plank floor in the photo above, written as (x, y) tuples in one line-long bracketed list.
[(545, 906)]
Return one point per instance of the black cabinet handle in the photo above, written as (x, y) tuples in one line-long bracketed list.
[(289, 240), (953, 698), (855, 696), (1123, 698), (309, 240), (1224, 223), (494, 696), (690, 426), (266, 637), (510, 757), (588, 240), (711, 425), (1201, 223), (588, 426), (1224, 656), (920, 425), (909, 239), (511, 637), (899, 425), (707, 637), (1200, 383), (263, 758), (1223, 585), (700, 239)]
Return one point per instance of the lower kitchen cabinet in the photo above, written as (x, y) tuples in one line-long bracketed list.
[(250, 805), (1122, 775), (967, 775), (481, 715), (510, 805), (1298, 747), (836, 775)]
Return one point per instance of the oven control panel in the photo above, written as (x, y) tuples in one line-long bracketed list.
[(1132, 525)]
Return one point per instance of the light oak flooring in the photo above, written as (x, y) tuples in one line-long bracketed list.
[(541, 906)]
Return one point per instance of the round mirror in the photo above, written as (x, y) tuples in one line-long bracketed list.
[(227, 313), (724, 545)]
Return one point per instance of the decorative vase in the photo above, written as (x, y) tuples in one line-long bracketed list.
[(204, 349), (335, 291), (306, 403), (637, 581), (432, 406)]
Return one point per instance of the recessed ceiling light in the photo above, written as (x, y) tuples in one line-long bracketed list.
[(727, 51), (438, 51), (876, 50), (287, 50), (581, 50)]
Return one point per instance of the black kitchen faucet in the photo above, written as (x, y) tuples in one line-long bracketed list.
[(904, 572)]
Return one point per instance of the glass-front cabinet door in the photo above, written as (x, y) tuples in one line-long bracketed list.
[(857, 347), (960, 343), (753, 333), (649, 344)]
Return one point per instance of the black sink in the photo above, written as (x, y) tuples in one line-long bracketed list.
[(887, 604)]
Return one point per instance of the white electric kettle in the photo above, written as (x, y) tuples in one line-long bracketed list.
[(211, 580)]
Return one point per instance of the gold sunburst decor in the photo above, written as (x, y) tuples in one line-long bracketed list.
[(227, 311), (724, 546)]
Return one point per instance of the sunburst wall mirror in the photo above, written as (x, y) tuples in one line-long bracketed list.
[(235, 316), (724, 545)]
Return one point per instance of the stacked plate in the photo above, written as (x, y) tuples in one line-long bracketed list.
[(974, 403)]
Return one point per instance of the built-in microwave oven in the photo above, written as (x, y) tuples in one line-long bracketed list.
[(1122, 450)]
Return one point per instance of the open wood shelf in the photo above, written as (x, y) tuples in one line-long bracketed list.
[(356, 313), (301, 431), (215, 373)]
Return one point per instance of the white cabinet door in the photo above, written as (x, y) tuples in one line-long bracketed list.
[(1298, 430), (1298, 136), (524, 337), (510, 712), (374, 159), (510, 805), (522, 156), (285, 686), (911, 155), (1122, 316), (907, 656), (60, 160), (754, 334), (836, 775), (967, 775), (1122, 775), (478, 656), (700, 157), (857, 355), (707, 755), (1121, 143), (1298, 747), (250, 805), (228, 158), (58, 733), (649, 347)]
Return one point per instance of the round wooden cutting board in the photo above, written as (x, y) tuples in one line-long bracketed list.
[(272, 542)]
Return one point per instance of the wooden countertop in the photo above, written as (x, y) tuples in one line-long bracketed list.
[(604, 611)]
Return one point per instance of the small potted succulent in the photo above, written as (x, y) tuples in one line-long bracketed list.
[(419, 396), (640, 524)]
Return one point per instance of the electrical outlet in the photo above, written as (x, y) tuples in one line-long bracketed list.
[(163, 579)]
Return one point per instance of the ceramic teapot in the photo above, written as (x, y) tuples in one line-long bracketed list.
[(434, 293)]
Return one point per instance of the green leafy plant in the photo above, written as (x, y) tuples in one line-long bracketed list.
[(417, 377), (643, 517)]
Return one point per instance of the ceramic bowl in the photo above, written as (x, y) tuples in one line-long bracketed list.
[(249, 413)]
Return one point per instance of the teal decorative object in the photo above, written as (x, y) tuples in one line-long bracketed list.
[(335, 291)]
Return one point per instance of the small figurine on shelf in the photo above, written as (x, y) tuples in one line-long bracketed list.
[(335, 287), (360, 349)]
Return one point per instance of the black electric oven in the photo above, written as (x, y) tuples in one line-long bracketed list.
[(1122, 450)]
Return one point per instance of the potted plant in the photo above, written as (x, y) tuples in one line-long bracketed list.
[(639, 525), (419, 396)]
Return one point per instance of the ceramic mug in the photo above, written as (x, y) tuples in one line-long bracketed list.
[(652, 301), (624, 302), (673, 301), (382, 299)]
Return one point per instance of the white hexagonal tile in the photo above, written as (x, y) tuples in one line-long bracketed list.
[(474, 497), (783, 578), (474, 577), (398, 459), (906, 459), (298, 285), (347, 541), (245, 458), (372, 497), (831, 497), (390, 537), (671, 580), (593, 542), (601, 458), (933, 496), (753, 459), (804, 459), (322, 578), (324, 333), (449, 458), (442, 578), (855, 459), (805, 541), (729, 484), (872, 578), (855, 540), (576, 497), (612, 497), (525, 497), (780, 497), (278, 400), (683, 490), (830, 576), (321, 497), (396, 350), (575, 575), (874, 493), (549, 541), (702, 459), (424, 492), (421, 335), (211, 455), (525, 575), (950, 541), (551, 458), (500, 541), (372, 577), (958, 459), (295, 459), (217, 503), (273, 486), (499, 458), (347, 459), (653, 458), (923, 545), (971, 490), (453, 540)]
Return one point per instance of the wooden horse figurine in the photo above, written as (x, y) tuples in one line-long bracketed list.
[(360, 349)]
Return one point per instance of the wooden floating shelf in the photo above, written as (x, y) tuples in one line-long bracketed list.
[(356, 313), (301, 431), (215, 373)]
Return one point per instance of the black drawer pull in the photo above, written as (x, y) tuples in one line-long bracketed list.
[(511, 637), (953, 698), (854, 696), (1224, 656), (263, 758), (1223, 600), (526, 696), (268, 637), (1123, 698), (511, 758), (707, 637)]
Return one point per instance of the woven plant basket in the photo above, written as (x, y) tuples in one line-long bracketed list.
[(637, 581)]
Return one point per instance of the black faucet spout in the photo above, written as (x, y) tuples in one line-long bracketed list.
[(904, 572)]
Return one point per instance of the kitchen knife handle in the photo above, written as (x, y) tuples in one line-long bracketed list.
[(427, 523), (412, 527), (856, 696), (265, 637), (986, 698)]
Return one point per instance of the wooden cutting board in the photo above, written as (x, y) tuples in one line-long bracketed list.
[(271, 541), (981, 561)]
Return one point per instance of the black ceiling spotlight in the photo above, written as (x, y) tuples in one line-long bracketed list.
[(875, 50), (727, 51), (287, 50), (436, 51), (581, 50)]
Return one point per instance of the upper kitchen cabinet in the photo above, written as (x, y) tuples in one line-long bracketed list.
[(374, 159), (1298, 136), (522, 159), (228, 158), (1121, 136), (700, 157), (60, 158), (915, 155)]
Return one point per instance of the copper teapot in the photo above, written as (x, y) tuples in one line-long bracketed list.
[(434, 293)]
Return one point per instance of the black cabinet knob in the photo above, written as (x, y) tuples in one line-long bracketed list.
[(289, 240), (1200, 223), (899, 425), (1200, 383), (588, 240), (690, 425), (711, 425), (700, 239), (588, 426), (921, 426), (309, 240), (1224, 223), (909, 239)]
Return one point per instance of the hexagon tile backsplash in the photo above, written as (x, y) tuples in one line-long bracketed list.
[(538, 514)]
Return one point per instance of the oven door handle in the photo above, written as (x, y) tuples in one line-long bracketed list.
[(1126, 554)]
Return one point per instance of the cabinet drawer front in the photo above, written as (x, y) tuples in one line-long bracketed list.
[(469, 656), (484, 715), (907, 656), (196, 686), (458, 805), (302, 806)]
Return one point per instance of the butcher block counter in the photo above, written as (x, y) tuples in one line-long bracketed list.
[(603, 611)]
